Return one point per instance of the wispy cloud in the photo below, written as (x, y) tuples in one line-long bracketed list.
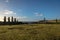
[(22, 18), (38, 14), (6, 0)]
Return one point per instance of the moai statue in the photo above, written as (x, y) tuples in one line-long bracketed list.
[(17, 20), (4, 18), (12, 19), (8, 19)]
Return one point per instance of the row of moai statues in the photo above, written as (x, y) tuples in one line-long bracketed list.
[(10, 19)]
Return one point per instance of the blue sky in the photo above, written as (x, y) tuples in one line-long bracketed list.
[(30, 10)]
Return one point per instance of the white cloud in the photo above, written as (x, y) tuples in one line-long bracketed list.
[(1, 18), (7, 12), (38, 14)]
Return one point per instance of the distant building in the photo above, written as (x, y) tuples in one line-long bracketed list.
[(4, 18)]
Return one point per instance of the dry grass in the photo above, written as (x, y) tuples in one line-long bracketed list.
[(30, 32)]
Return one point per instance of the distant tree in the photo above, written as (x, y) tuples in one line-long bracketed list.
[(4, 18)]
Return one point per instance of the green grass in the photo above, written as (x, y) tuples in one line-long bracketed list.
[(30, 32)]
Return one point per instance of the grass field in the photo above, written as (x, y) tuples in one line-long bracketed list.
[(30, 32)]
